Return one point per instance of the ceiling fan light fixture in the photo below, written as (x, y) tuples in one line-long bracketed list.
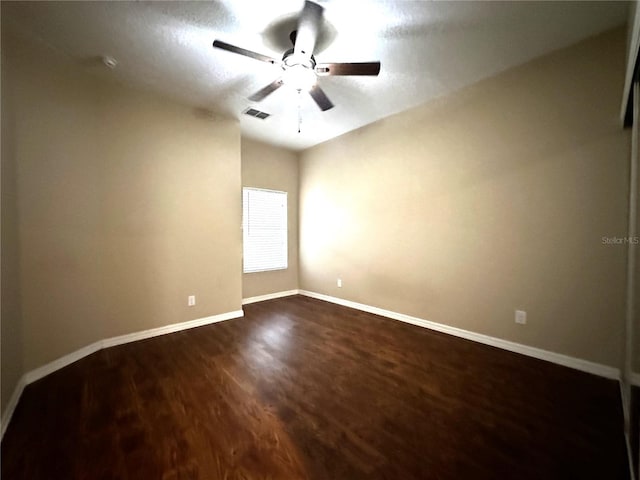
[(299, 77)]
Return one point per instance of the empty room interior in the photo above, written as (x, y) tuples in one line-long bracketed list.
[(320, 240)]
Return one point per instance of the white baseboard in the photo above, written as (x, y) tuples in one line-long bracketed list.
[(174, 327), (627, 441), (626, 403), (634, 379), (40, 372), (564, 360), (68, 359), (626, 414), (11, 406), (269, 296)]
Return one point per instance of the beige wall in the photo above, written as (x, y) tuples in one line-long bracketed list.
[(491, 199), (273, 168), (11, 368), (127, 204)]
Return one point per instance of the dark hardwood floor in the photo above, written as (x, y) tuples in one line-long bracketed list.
[(303, 389)]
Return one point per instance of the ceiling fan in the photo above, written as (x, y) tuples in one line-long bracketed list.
[(299, 66)]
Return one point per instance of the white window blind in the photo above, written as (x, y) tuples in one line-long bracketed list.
[(264, 230)]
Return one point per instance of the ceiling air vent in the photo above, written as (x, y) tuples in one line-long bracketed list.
[(252, 112)]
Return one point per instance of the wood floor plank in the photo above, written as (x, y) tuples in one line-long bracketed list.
[(303, 389)]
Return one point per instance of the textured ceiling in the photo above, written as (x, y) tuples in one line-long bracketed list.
[(427, 49)]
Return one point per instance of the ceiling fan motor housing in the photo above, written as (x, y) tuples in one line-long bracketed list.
[(289, 59)]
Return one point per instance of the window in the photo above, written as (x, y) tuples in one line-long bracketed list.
[(264, 230)]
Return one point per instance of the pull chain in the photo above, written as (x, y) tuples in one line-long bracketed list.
[(299, 112)]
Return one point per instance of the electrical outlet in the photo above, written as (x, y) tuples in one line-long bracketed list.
[(339, 283), (521, 317), (191, 300)]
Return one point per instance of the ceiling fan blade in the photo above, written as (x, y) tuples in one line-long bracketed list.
[(242, 51), (266, 91), (320, 98), (308, 28), (363, 68)]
